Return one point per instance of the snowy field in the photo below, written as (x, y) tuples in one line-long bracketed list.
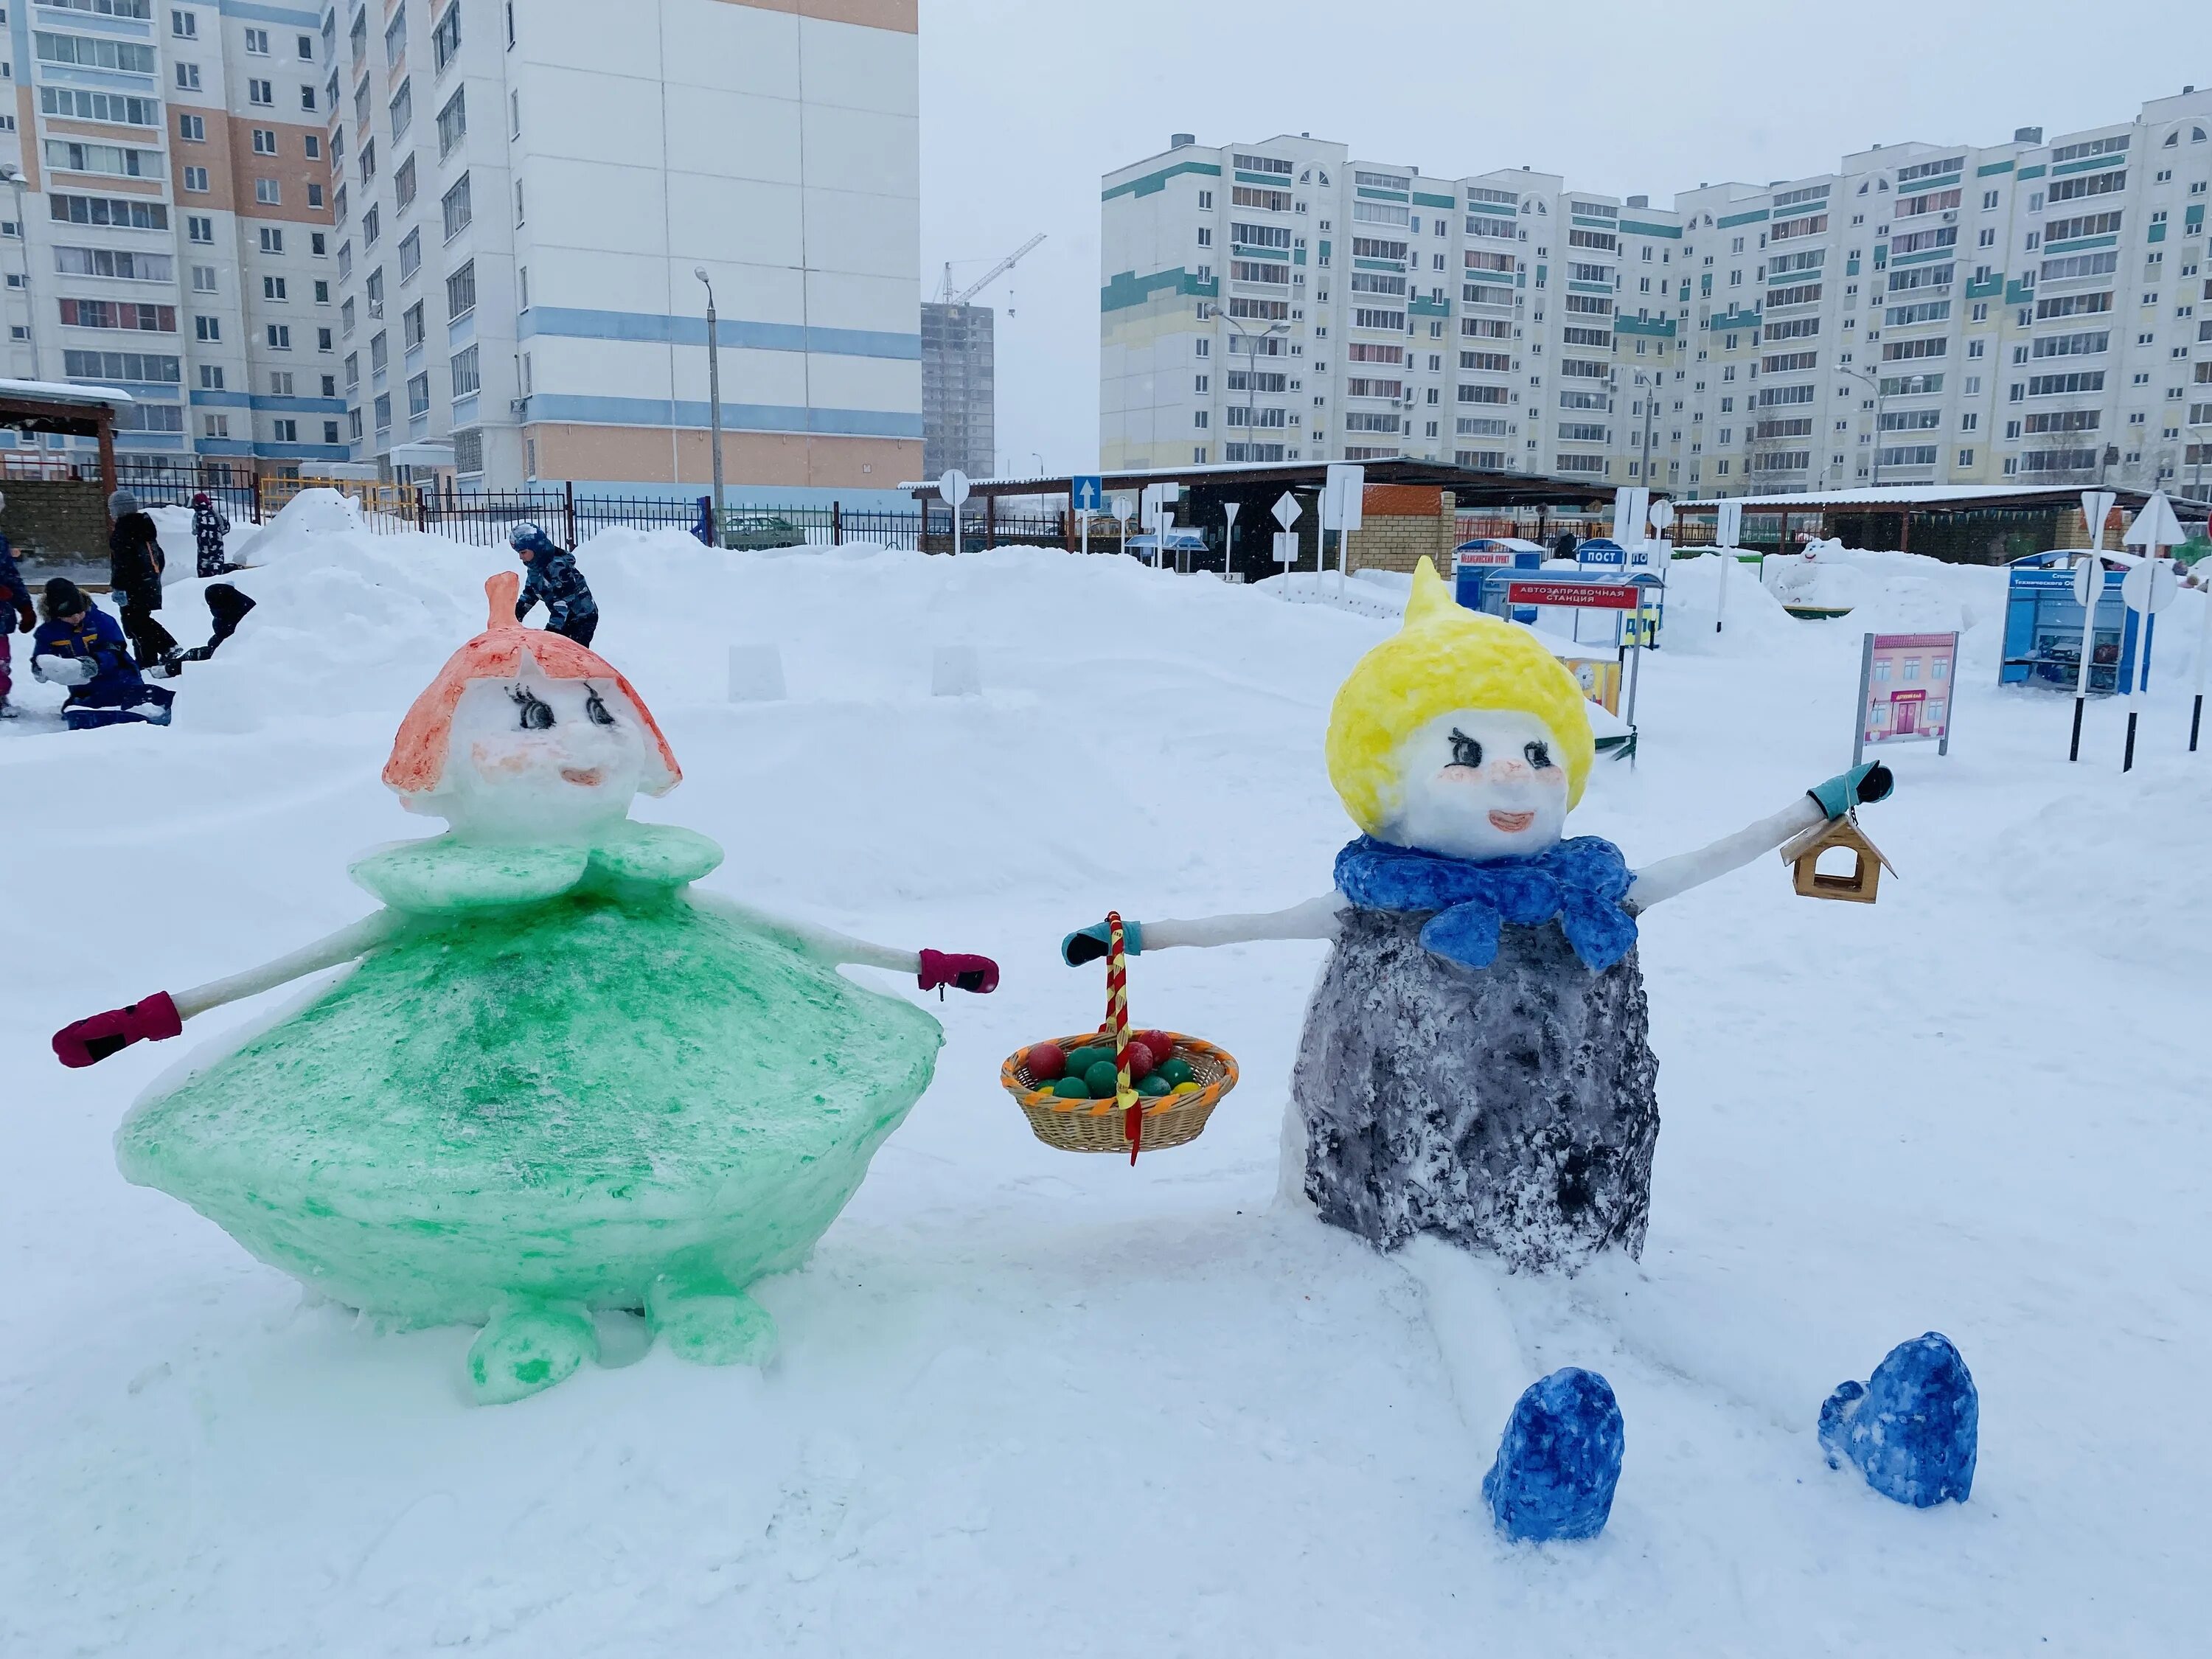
[(1032, 1404)]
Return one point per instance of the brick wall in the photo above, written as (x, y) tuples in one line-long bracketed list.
[(59, 521), (1402, 524)]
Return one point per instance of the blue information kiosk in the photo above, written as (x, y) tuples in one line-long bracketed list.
[(2043, 629)]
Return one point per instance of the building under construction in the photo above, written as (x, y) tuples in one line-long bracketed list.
[(959, 396)]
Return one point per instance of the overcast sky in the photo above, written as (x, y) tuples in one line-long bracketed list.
[(1024, 103)]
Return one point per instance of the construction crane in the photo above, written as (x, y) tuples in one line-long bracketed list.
[(947, 297)]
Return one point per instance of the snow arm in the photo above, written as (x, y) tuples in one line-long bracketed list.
[(932, 969), (87, 1041), (1317, 917), (1670, 877)]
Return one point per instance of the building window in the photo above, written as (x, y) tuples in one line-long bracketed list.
[(273, 288), (266, 192), (211, 377), (260, 92), (192, 129), (410, 326), (207, 328), (256, 43), (453, 122), (284, 431), (214, 426), (198, 227), (446, 38), (463, 366), (204, 279), (183, 25), (384, 412), (372, 226), (264, 141), (402, 108), (314, 195), (418, 395), (196, 180), (272, 239), (455, 204), (461, 291), (517, 202), (330, 432), (188, 77), (403, 185), (280, 336)]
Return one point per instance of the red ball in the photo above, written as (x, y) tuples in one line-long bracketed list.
[(1161, 1044), (1139, 1056), (1046, 1062)]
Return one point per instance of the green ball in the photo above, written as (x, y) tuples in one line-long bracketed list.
[(1155, 1085), (1080, 1061), (1072, 1088), (1177, 1071), (1104, 1078)]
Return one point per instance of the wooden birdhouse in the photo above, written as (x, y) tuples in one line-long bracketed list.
[(1804, 852)]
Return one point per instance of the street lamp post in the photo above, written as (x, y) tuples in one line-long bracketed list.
[(714, 395), (1874, 382), (1251, 370), (12, 176)]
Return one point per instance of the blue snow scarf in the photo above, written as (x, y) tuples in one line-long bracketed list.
[(1581, 881)]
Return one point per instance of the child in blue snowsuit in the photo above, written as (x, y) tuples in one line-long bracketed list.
[(554, 579), (80, 645), (14, 610)]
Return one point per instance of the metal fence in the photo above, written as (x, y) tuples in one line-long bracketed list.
[(485, 518)]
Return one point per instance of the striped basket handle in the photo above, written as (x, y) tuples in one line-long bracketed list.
[(1126, 1099)]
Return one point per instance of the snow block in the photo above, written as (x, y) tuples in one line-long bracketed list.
[(1558, 1460), (1512, 1110), (1913, 1428)]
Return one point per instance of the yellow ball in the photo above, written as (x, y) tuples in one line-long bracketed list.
[(1186, 1088)]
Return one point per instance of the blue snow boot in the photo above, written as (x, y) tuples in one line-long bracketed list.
[(1558, 1460), (1912, 1428)]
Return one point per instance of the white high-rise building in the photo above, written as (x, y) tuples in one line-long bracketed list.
[(1926, 314), (174, 236), (525, 189)]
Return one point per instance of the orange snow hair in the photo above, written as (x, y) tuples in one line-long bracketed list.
[(419, 752)]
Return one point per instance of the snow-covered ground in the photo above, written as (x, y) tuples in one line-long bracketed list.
[(1029, 1403)]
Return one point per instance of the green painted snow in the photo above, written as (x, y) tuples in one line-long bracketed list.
[(561, 1102)]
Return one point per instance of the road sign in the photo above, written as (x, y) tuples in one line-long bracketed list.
[(1598, 550), (1125, 507), (953, 486), (1343, 500), (1287, 510), (2088, 577), (1157, 496), (1287, 546), (1597, 596), (2150, 587), (1089, 495)]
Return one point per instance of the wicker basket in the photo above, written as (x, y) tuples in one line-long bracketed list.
[(1102, 1125)]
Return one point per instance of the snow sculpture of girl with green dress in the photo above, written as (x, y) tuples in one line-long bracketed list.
[(557, 1078)]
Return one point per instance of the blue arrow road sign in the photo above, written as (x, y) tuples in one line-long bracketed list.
[(1089, 495)]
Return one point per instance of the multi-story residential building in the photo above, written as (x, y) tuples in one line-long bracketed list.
[(174, 231), (1926, 314), (525, 189)]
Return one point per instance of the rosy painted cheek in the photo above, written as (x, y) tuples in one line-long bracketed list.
[(506, 762)]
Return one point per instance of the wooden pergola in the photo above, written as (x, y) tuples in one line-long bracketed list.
[(77, 411)]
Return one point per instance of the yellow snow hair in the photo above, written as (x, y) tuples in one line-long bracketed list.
[(1445, 657)]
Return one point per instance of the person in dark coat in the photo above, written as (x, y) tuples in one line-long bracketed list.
[(555, 580), (135, 565), (16, 615), (80, 647), (208, 528), (227, 607)]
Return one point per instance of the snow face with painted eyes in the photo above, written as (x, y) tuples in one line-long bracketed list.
[(536, 758), (1480, 783)]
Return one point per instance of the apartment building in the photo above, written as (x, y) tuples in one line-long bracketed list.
[(526, 188), (1926, 314), (167, 227)]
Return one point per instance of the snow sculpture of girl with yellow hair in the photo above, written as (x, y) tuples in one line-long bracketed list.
[(1475, 1061)]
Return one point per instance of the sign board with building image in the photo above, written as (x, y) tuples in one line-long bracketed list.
[(1905, 682)]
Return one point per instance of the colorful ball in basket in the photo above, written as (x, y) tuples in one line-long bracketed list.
[(1130, 1121)]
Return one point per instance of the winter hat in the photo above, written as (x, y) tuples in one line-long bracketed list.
[(200, 499), (62, 598), (121, 504)]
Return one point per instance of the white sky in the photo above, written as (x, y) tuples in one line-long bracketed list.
[(1026, 102)]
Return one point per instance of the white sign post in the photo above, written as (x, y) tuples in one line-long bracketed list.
[(2147, 590), (1343, 505), (1287, 513), (953, 487), (1228, 538), (2089, 590), (1727, 528), (1124, 510)]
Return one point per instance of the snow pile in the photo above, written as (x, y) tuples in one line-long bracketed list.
[(1014, 1381)]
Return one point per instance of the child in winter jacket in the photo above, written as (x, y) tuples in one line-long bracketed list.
[(16, 615), (135, 563), (569, 608), (80, 647), (208, 528)]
